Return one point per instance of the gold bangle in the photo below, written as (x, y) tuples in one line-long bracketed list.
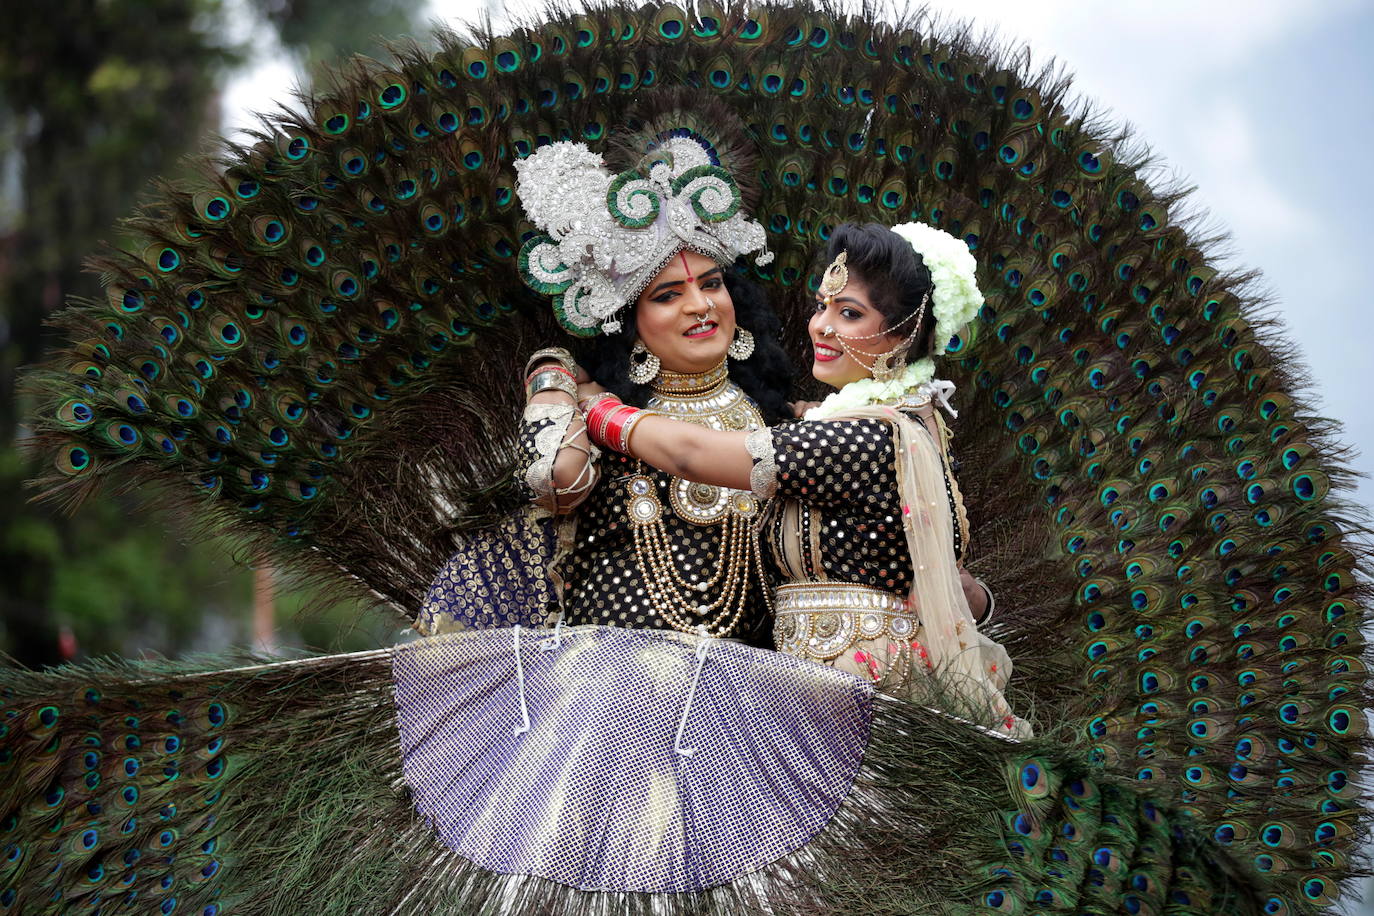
[(628, 428), (559, 355), (992, 603), (587, 404)]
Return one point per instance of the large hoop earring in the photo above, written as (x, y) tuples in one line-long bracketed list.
[(742, 347), (644, 365)]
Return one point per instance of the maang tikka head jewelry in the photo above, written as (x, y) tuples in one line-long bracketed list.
[(884, 366), (835, 278)]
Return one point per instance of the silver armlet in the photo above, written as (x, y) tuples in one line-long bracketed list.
[(763, 477), (992, 602)]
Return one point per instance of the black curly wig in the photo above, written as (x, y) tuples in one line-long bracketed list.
[(766, 376)]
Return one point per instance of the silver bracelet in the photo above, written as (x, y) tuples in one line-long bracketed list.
[(550, 380), (992, 602)]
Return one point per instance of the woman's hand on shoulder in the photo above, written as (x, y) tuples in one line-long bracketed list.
[(799, 408), (586, 388)]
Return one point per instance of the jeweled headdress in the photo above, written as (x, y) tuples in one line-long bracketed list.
[(606, 236)]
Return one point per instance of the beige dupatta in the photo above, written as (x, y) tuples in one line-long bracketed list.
[(969, 669)]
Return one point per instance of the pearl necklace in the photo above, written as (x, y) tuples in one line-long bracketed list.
[(721, 404)]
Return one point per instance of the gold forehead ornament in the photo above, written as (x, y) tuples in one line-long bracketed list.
[(835, 278)]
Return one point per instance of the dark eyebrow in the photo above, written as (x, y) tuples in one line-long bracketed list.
[(666, 283)]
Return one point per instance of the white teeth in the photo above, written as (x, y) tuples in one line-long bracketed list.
[(700, 327)]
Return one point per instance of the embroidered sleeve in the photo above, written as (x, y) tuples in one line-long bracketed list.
[(763, 479), (840, 463), (546, 431)]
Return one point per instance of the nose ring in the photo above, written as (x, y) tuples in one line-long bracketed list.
[(829, 331)]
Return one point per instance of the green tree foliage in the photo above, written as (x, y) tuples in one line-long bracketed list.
[(320, 31), (96, 99)]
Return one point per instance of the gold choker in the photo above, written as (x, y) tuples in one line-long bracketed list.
[(690, 383)]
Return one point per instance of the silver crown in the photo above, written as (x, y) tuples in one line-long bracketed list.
[(606, 236)]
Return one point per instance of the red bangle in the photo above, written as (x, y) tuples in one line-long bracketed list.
[(611, 418), (615, 426), (547, 368), (597, 416)]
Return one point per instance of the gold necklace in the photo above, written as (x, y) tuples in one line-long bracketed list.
[(689, 383), (717, 405), (721, 404)]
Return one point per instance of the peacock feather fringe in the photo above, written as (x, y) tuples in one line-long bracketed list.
[(315, 347), (277, 788)]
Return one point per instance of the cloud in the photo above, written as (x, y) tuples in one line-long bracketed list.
[(1199, 35)]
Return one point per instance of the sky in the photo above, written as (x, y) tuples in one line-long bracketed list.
[(1265, 106)]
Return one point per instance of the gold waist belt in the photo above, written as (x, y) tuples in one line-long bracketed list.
[(821, 620)]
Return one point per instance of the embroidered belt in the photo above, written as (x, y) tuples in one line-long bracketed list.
[(821, 620)]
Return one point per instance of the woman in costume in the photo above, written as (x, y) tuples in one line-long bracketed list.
[(680, 335), (869, 525)]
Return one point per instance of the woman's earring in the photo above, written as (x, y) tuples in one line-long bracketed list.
[(644, 365), (742, 347)]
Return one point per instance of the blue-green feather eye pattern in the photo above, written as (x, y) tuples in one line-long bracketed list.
[(354, 264)]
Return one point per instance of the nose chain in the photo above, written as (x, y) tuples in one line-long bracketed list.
[(887, 365)]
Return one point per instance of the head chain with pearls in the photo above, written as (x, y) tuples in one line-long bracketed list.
[(954, 289), (607, 236), (887, 365)]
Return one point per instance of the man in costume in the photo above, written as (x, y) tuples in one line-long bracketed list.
[(643, 255)]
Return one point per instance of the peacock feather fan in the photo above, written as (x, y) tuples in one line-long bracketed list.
[(161, 788), (315, 348)]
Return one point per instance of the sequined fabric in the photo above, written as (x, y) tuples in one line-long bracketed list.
[(494, 578), (602, 583), (840, 477), (836, 539), (648, 765)]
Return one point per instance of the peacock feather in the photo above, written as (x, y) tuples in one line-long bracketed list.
[(162, 788), (315, 347)]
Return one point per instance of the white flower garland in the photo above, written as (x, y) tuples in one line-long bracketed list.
[(867, 391), (955, 298)]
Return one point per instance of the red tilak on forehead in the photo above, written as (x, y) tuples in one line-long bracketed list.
[(683, 255)]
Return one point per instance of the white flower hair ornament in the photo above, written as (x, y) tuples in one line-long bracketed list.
[(955, 298), (606, 236)]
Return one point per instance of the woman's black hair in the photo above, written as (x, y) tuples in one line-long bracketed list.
[(896, 277), (766, 376)]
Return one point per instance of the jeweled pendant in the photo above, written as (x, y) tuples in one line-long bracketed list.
[(699, 503), (645, 508), (743, 504)]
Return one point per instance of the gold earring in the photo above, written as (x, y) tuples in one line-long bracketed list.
[(644, 365)]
